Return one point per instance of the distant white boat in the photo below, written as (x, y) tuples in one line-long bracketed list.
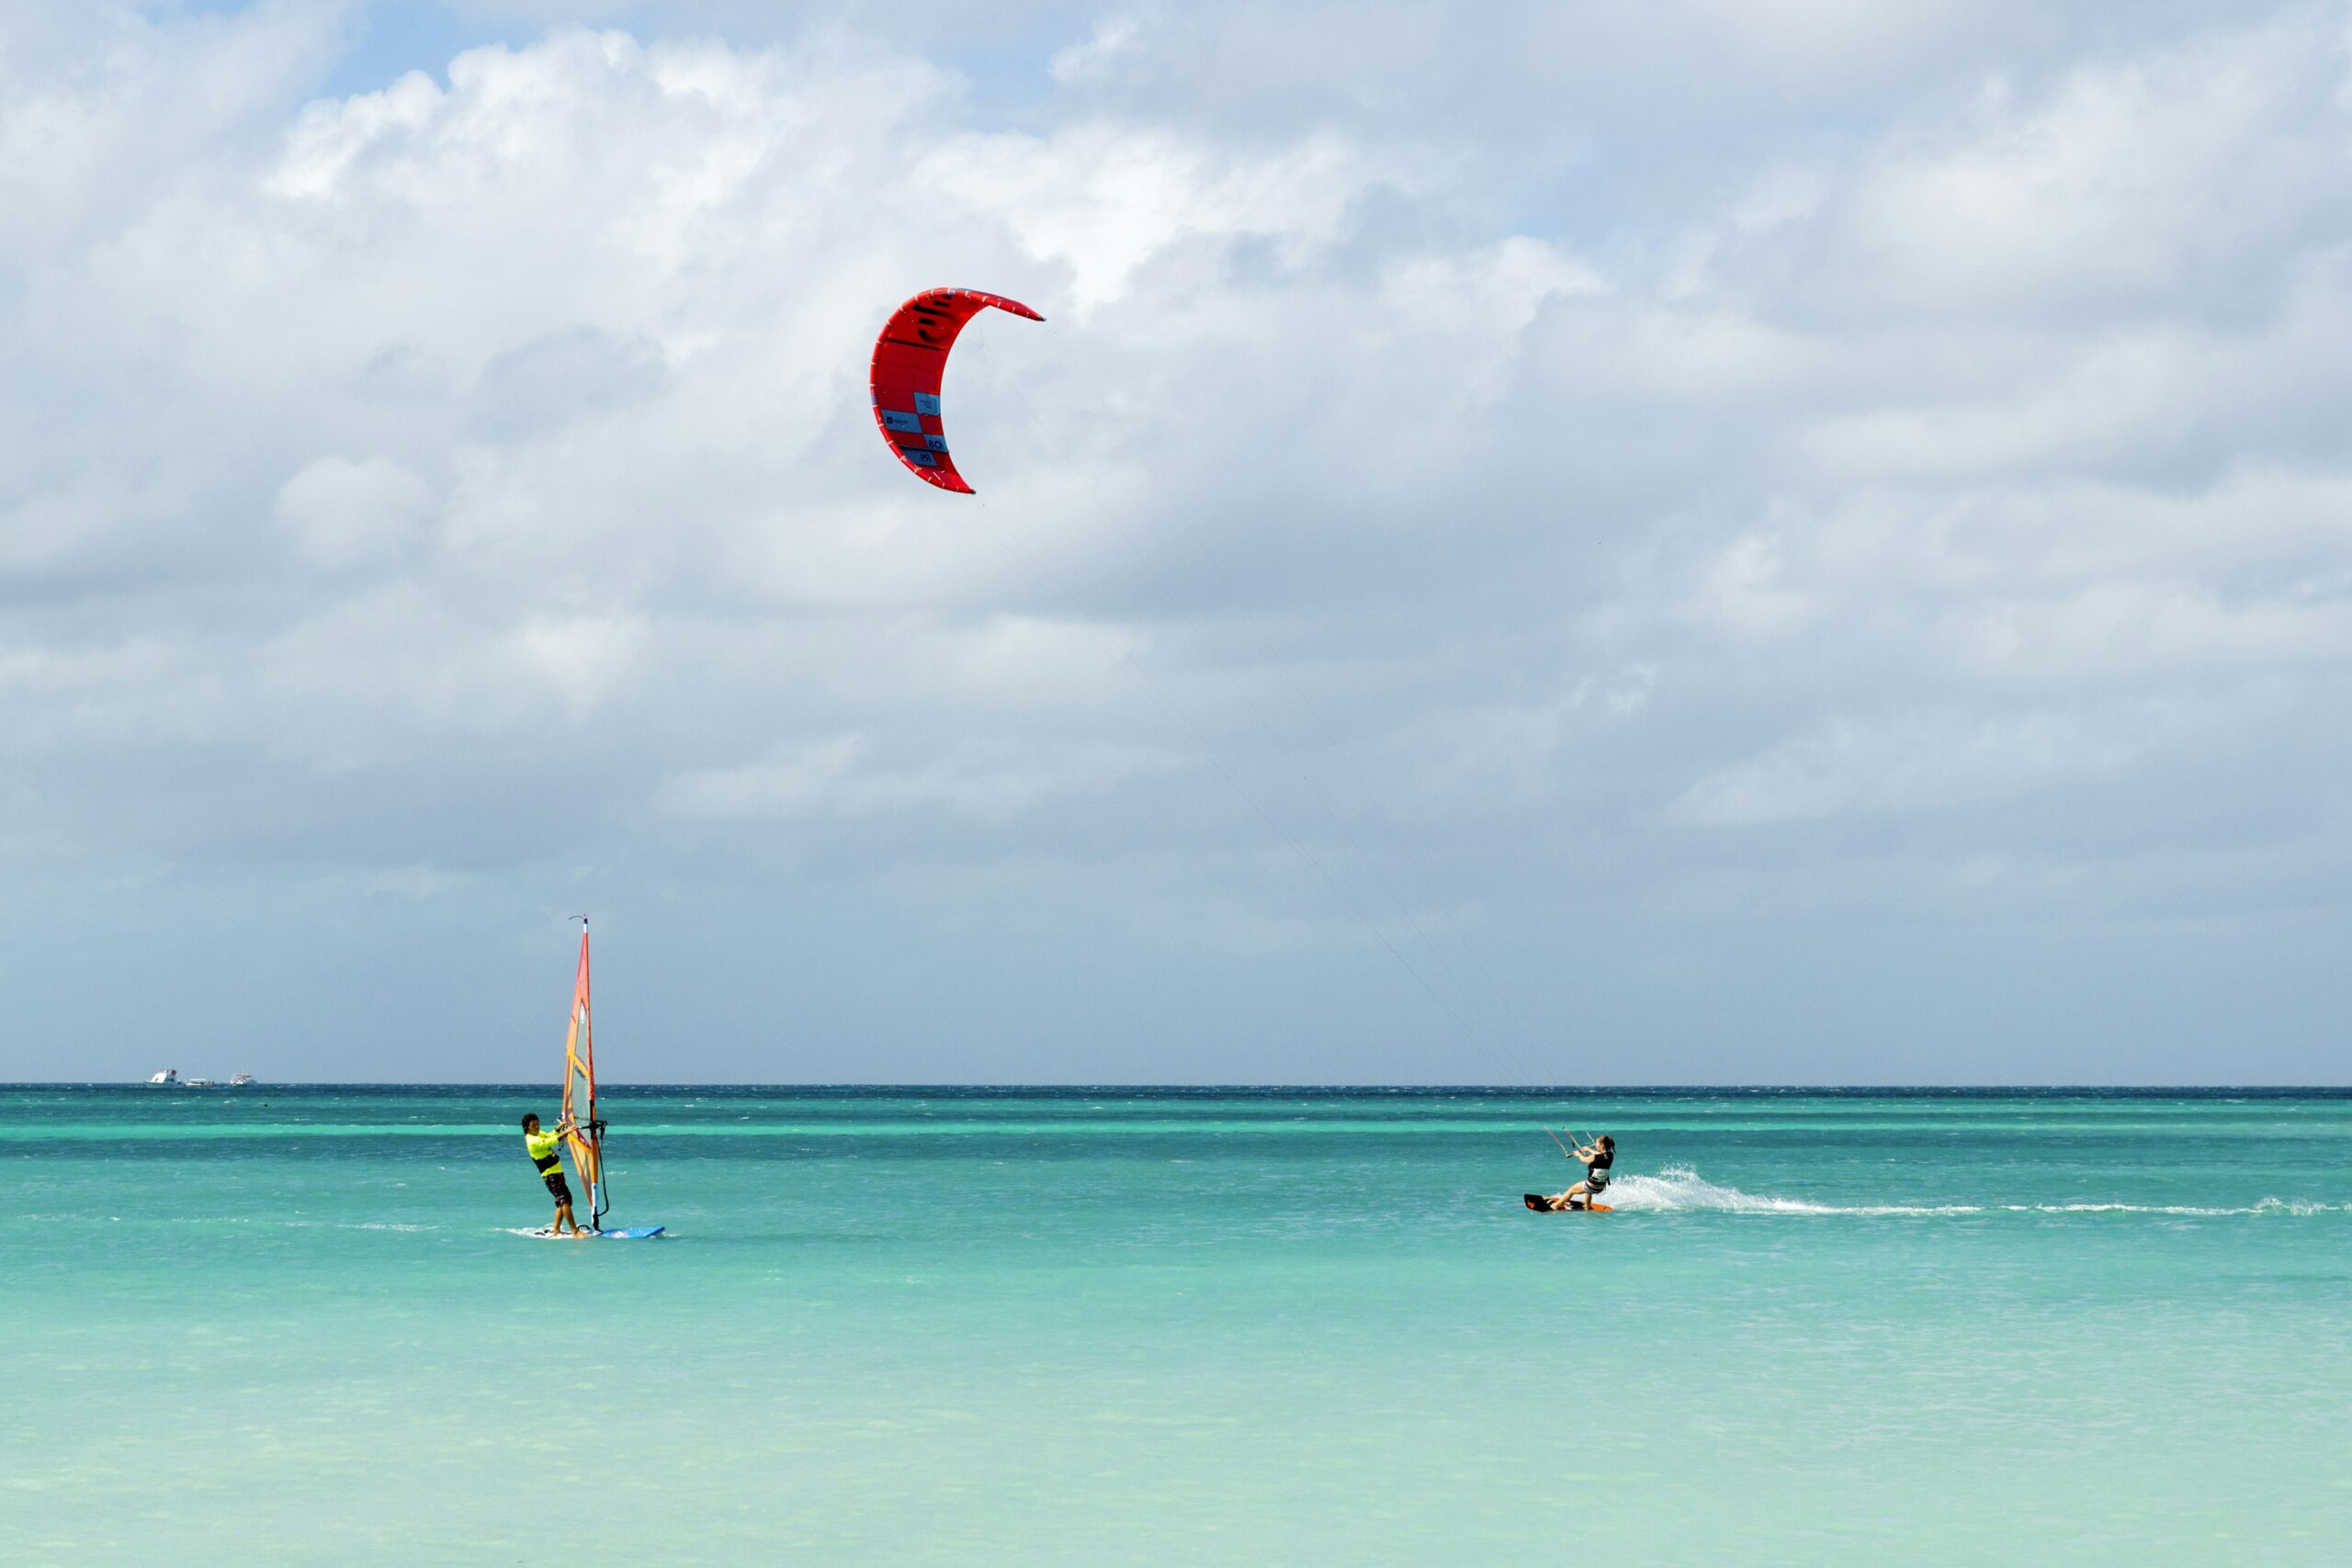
[(169, 1077), (240, 1081), (199, 1083)]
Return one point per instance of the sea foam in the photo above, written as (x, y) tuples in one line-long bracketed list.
[(1679, 1190)]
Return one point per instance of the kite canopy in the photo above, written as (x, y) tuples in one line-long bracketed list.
[(909, 359)]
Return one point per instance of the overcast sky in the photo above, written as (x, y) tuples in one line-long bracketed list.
[(1708, 540)]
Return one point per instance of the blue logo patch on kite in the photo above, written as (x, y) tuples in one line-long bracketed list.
[(893, 420), (927, 403)]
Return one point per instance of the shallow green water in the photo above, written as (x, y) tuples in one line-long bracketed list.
[(1189, 1328)]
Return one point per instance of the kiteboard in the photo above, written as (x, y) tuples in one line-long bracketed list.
[(1542, 1205)]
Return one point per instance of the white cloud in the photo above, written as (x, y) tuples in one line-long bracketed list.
[(1113, 39), (1916, 423), (2178, 181), (1925, 761), (1103, 200), (343, 513), (839, 777)]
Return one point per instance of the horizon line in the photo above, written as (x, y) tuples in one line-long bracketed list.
[(1101, 1085)]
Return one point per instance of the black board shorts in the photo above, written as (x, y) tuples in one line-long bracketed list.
[(560, 1187)]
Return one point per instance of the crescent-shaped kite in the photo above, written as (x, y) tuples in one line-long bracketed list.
[(909, 359)]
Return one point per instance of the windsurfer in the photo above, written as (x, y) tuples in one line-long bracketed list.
[(1598, 1156), (542, 1147)]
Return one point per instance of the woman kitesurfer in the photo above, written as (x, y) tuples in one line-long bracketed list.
[(541, 1147), (1598, 1156)]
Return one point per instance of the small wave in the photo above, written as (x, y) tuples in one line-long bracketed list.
[(1681, 1189), (2266, 1206)]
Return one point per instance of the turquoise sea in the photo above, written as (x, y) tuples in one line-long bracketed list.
[(1098, 1327)]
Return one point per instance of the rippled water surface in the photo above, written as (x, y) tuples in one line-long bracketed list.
[(1185, 1327)]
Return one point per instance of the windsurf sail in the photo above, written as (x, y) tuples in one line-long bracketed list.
[(584, 1134)]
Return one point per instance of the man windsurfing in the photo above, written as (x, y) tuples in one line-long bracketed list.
[(1598, 1156), (545, 1149)]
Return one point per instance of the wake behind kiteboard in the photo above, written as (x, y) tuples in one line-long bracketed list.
[(1542, 1205)]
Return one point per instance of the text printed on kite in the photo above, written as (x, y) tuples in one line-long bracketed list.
[(909, 358)]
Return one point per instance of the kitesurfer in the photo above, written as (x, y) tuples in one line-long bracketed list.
[(1598, 1156), (542, 1147)]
